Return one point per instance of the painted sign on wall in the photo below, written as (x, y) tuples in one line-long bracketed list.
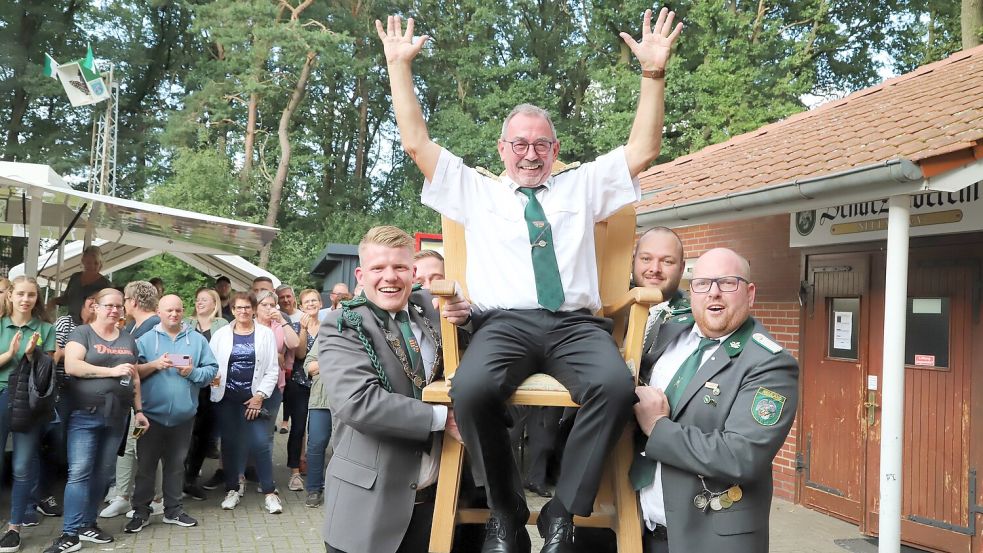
[(931, 213)]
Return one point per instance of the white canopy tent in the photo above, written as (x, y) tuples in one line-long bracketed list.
[(35, 202), (117, 256)]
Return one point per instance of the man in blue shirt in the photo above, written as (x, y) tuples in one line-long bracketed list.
[(176, 364)]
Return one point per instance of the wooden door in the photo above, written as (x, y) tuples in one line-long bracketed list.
[(936, 507), (833, 373)]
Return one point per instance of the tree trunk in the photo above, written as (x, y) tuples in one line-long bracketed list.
[(247, 164), (971, 17), (283, 133), (758, 21)]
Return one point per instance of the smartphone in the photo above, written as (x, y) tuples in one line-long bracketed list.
[(183, 361), (139, 431)]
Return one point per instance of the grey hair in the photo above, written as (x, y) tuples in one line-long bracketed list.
[(527, 109)]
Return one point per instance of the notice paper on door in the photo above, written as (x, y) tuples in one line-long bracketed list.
[(842, 329)]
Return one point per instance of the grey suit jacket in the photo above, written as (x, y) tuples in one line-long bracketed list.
[(731, 442), (370, 484)]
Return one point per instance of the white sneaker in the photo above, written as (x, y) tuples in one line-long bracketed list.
[(110, 495), (231, 500), (296, 483), (156, 508), (116, 507), (272, 504)]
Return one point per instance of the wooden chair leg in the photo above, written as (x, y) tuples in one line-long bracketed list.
[(629, 530), (448, 489)]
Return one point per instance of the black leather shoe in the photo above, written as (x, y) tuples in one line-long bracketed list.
[(506, 533), (557, 533), (539, 489)]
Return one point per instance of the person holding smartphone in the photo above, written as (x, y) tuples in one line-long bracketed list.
[(103, 386), (176, 364), (246, 352)]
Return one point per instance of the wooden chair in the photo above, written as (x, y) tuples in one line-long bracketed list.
[(616, 506)]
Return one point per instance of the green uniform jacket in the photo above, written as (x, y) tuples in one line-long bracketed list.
[(730, 440)]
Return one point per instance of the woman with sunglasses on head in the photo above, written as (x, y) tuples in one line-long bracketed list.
[(298, 387), (247, 375), (24, 327), (268, 314), (103, 385)]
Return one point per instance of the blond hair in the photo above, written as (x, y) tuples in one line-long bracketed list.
[(423, 254), (217, 310), (308, 291), (96, 253), (37, 310), (387, 236)]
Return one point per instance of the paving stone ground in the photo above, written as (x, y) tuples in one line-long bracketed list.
[(249, 529)]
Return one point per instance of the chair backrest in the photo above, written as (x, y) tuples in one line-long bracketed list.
[(614, 240)]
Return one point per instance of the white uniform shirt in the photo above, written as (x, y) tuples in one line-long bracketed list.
[(428, 352), (651, 497), (500, 273)]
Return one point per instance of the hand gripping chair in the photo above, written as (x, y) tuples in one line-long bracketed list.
[(616, 506)]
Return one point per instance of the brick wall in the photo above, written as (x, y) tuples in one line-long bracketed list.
[(775, 269)]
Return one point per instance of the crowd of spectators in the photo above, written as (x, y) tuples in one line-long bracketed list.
[(145, 391)]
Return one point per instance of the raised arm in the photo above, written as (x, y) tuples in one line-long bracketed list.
[(652, 52), (400, 51)]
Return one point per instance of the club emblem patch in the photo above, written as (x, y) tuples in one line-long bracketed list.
[(766, 408)]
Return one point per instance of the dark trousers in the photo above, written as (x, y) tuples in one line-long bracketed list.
[(295, 400), (201, 435), (167, 446), (540, 426), (654, 542), (575, 348), (417, 537)]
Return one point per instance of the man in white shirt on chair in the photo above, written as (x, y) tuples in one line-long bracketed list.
[(532, 272)]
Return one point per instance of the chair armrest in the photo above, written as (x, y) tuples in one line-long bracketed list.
[(442, 288), (636, 296)]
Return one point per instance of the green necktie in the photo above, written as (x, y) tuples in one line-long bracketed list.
[(687, 370), (642, 472), (549, 287), (411, 346)]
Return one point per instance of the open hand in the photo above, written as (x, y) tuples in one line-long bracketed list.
[(656, 45), (32, 344), (399, 46), (15, 343)]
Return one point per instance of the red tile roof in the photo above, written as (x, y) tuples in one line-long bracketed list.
[(934, 110)]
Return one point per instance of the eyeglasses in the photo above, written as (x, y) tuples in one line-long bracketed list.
[(724, 284), (520, 147), (243, 308), (110, 306), (268, 305)]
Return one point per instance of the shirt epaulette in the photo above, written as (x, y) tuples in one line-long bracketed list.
[(486, 173), (766, 342)]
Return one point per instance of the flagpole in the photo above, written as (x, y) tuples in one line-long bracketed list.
[(106, 135)]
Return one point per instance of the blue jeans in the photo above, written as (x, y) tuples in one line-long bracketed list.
[(4, 425), (26, 468), (92, 443), (240, 437), (318, 436)]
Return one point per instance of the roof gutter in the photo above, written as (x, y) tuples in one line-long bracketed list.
[(871, 182)]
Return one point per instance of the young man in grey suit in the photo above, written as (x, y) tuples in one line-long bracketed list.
[(378, 351), (720, 400)]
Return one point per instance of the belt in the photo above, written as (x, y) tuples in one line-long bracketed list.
[(426, 495), (659, 534)]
